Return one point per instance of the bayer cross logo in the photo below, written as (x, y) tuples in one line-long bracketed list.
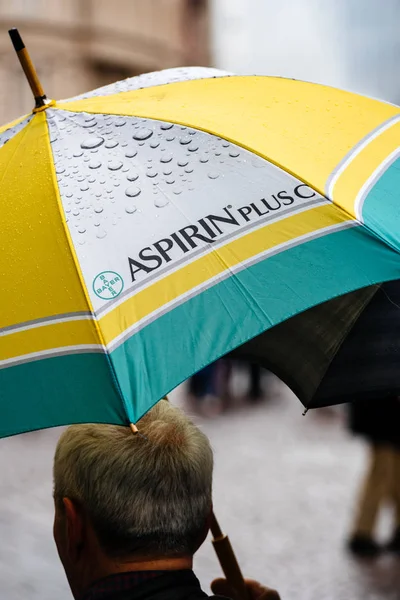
[(108, 285)]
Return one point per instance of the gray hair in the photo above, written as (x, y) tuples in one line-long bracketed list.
[(143, 496)]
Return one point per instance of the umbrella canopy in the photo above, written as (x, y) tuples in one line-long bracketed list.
[(154, 225)]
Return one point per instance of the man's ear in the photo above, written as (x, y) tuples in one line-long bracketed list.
[(75, 528)]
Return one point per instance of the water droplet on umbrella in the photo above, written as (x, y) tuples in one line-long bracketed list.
[(120, 122), (101, 234), (166, 158), (218, 154), (81, 229), (90, 118), (69, 195), (131, 153), (84, 188), (167, 172), (170, 181), (111, 144), (94, 164), (132, 176), (193, 148), (189, 170), (183, 163), (87, 125), (60, 170), (93, 142), (75, 213), (154, 144), (258, 164), (114, 165), (204, 158), (130, 209), (152, 173), (144, 133), (186, 139), (225, 144), (166, 126), (170, 138), (91, 179), (161, 201), (132, 191), (213, 175), (96, 223), (98, 209), (177, 191), (234, 153)]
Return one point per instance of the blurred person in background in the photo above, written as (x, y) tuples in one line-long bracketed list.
[(209, 390), (255, 391), (203, 391), (131, 510), (378, 421)]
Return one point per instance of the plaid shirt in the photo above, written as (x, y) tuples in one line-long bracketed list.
[(120, 582)]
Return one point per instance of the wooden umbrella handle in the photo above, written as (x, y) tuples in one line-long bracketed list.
[(227, 560)]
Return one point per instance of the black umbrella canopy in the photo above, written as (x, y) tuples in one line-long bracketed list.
[(339, 351)]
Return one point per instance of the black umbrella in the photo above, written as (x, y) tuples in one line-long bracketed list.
[(339, 351)]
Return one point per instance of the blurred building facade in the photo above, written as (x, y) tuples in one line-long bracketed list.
[(352, 44), (78, 45)]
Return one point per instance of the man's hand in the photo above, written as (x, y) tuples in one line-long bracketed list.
[(255, 590)]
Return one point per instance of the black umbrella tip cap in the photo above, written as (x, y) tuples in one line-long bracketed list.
[(16, 39)]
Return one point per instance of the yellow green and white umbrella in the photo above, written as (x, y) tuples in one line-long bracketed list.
[(152, 226)]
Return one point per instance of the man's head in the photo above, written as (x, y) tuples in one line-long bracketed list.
[(121, 498)]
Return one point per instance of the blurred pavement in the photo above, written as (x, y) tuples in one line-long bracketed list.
[(284, 491)]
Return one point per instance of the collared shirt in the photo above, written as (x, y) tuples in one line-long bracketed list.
[(119, 582)]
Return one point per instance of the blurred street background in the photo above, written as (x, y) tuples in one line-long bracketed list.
[(285, 485)]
